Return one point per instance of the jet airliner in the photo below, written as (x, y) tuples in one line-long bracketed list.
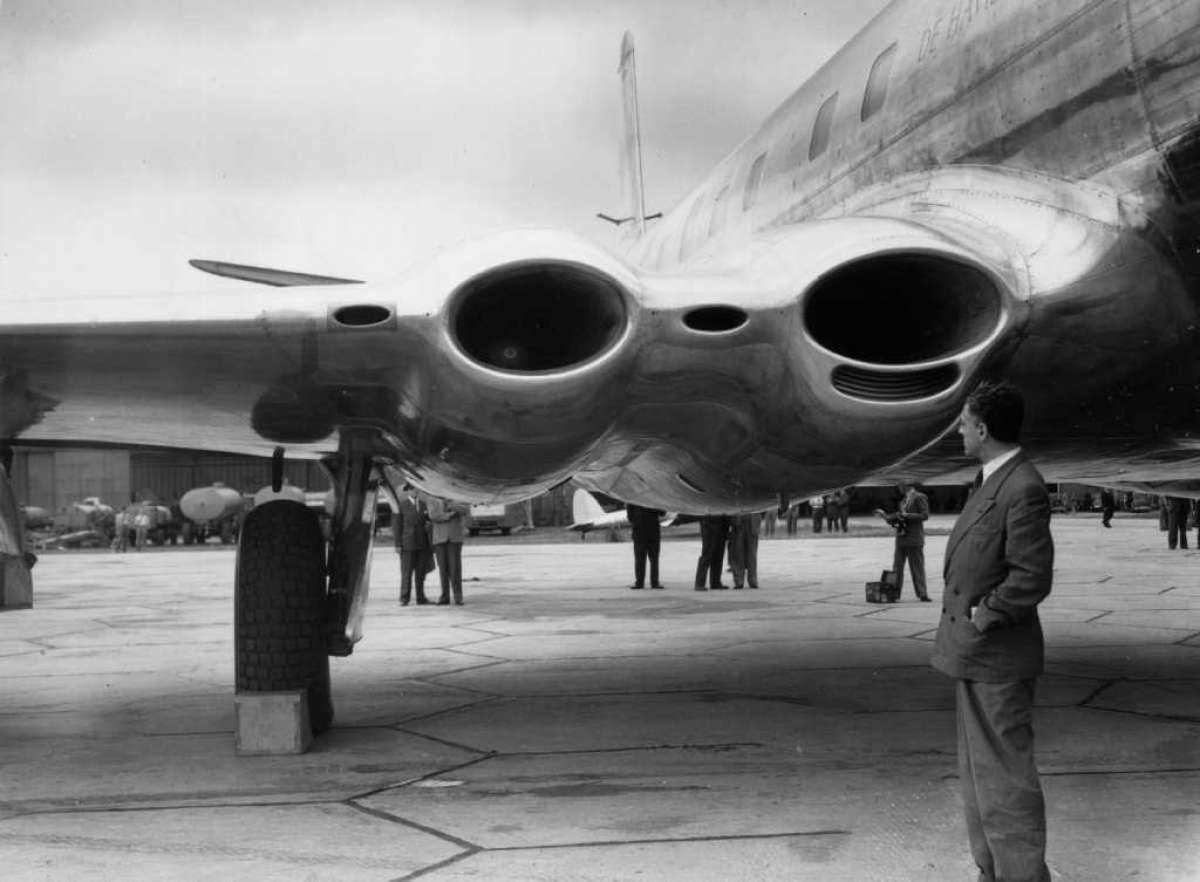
[(968, 189)]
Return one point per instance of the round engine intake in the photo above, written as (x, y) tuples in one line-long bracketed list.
[(538, 316), (900, 309)]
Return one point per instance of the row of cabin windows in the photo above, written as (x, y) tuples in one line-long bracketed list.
[(872, 102)]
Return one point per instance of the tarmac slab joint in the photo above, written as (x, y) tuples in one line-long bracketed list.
[(272, 723)]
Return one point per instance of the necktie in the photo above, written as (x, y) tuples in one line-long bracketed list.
[(978, 482)]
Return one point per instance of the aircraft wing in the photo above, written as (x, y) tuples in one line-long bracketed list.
[(816, 354)]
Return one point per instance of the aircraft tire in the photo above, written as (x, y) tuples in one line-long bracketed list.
[(279, 605)]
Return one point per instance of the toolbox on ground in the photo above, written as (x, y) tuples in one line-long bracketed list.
[(885, 590)]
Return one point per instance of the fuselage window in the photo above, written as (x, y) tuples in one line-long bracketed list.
[(877, 83), (752, 182), (822, 127), (714, 221)]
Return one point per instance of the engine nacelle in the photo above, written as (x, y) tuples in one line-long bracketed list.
[(530, 370)]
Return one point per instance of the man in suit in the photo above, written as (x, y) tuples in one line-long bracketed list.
[(647, 538), (743, 549), (409, 532), (714, 531), (998, 568), (447, 537), (909, 521)]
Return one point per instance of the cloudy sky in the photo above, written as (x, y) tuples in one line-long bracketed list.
[(352, 137)]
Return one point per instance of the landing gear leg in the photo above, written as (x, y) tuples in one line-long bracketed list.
[(351, 537)]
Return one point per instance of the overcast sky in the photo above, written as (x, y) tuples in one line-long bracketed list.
[(352, 137)]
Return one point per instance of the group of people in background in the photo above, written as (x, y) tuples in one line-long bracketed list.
[(828, 511), (735, 534), (428, 532)]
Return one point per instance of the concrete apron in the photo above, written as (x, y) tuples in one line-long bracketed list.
[(561, 727)]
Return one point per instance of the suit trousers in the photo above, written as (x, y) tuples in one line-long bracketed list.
[(915, 555), (449, 562), (412, 569), (743, 558), (712, 556), (643, 550), (1002, 794)]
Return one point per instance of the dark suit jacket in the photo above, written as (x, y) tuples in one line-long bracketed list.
[(1000, 556), (408, 526), (914, 510), (644, 522)]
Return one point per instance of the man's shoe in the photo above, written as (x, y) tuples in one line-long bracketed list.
[(422, 601), (404, 603), (925, 598), (458, 603), (737, 587), (701, 588), (635, 587), (752, 585), (657, 587), (719, 587), (443, 602)]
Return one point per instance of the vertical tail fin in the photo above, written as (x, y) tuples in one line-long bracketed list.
[(585, 507), (631, 146)]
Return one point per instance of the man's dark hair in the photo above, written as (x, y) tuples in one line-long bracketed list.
[(1000, 407)]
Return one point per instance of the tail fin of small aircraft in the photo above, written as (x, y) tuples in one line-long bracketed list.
[(632, 178), (585, 507)]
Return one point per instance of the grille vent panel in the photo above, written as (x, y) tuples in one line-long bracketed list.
[(873, 385)]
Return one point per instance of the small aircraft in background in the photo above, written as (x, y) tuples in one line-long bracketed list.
[(588, 514)]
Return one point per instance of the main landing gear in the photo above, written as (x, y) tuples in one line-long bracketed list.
[(292, 608)]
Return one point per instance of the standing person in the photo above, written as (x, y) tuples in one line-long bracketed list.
[(769, 519), (743, 549), (121, 524), (647, 535), (999, 566), (909, 520), (411, 537), (793, 517), (832, 517), (447, 537), (1108, 506), (1177, 512), (16, 560), (714, 530), (817, 504), (844, 508), (141, 525)]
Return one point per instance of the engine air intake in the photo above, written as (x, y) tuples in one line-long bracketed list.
[(715, 319), (538, 316), (906, 308), (873, 385)]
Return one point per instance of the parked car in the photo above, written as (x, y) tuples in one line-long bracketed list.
[(495, 517)]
